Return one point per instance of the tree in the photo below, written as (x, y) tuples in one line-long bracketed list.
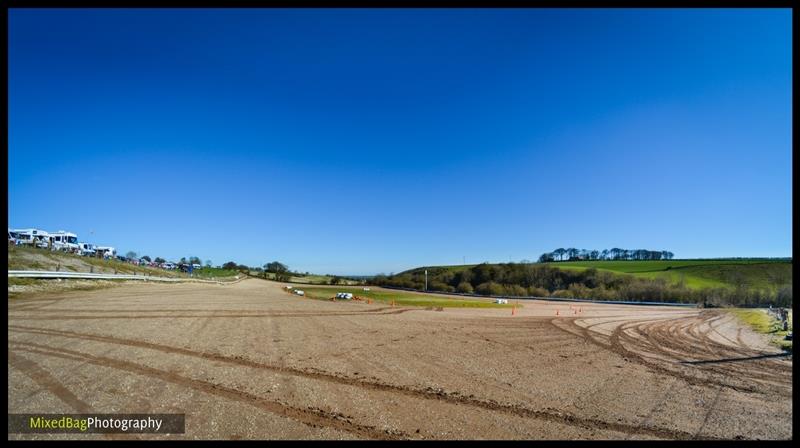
[(208, 263), (231, 265), (604, 254), (546, 257), (572, 253), (183, 260), (147, 258), (276, 267), (194, 260), (594, 255), (131, 254), (335, 280), (160, 260), (559, 253)]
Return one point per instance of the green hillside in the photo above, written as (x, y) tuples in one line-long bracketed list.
[(751, 273), (766, 273)]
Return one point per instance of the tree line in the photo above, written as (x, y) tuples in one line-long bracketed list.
[(131, 255), (522, 279), (573, 254)]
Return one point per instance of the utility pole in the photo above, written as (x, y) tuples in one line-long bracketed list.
[(426, 280)]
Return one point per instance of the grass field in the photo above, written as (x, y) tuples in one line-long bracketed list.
[(755, 273), (760, 273), (404, 298), (760, 321), (310, 279)]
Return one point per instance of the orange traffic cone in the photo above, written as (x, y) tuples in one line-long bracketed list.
[(513, 310), (556, 312)]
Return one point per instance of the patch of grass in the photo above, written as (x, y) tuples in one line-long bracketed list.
[(762, 322), (46, 286), (207, 273), (310, 279), (403, 298), (21, 281)]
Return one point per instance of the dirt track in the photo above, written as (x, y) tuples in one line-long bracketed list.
[(251, 361)]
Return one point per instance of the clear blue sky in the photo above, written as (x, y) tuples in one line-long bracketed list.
[(366, 141)]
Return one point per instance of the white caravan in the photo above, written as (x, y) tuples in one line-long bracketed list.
[(66, 241), (107, 251), (36, 237), (87, 249)]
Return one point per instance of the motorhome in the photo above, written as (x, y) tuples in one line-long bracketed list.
[(36, 237), (63, 240)]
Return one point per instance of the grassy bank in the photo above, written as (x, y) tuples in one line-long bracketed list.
[(402, 298), (762, 322)]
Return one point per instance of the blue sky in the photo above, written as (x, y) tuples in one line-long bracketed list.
[(366, 141)]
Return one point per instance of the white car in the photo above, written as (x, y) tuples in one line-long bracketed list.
[(299, 292), (501, 301), (344, 296)]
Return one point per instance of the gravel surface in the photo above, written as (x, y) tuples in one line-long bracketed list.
[(251, 361)]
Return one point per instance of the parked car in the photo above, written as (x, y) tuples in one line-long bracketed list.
[(168, 265)]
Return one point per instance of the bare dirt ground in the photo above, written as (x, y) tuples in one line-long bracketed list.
[(250, 361)]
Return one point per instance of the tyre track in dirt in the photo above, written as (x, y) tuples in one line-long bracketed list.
[(429, 393), (311, 416), (711, 409), (771, 374), (47, 382), (678, 339), (202, 310), (210, 314)]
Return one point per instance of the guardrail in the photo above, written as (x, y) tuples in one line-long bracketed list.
[(99, 276), (555, 299)]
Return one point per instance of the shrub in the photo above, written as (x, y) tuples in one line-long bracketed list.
[(465, 287), (579, 291), (440, 286), (490, 289), (516, 290), (563, 293), (538, 292)]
